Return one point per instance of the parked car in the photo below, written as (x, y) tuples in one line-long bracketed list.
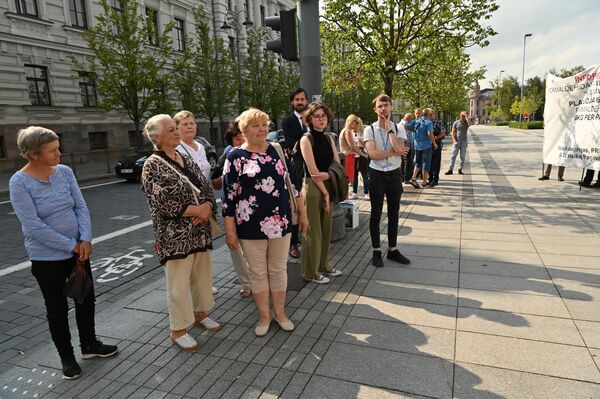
[(276, 137), (130, 167)]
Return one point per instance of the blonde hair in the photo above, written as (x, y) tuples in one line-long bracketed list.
[(409, 115), (181, 115), (359, 123), (31, 139), (251, 115), (154, 127)]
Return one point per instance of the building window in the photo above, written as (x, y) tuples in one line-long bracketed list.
[(232, 47), (262, 16), (37, 80), (87, 88), (229, 6), (152, 24), (135, 139), (2, 149), (247, 9), (27, 7), (179, 35), (98, 140), (77, 10), (116, 6)]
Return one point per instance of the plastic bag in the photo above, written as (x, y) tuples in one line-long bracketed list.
[(79, 283)]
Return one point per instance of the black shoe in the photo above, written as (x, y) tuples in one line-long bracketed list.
[(377, 260), (585, 184), (561, 179), (449, 173), (98, 350), (460, 172), (396, 256), (435, 182), (597, 184), (545, 178), (70, 368)]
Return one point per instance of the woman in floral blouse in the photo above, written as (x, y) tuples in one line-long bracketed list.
[(257, 216)]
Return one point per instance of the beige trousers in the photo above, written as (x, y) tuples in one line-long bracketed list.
[(267, 263), (189, 288)]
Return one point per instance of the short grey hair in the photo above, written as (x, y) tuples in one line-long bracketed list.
[(31, 139), (154, 127), (427, 111)]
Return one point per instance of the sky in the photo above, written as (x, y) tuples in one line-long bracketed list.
[(566, 33)]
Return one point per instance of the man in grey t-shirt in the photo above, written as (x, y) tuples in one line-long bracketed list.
[(459, 137)]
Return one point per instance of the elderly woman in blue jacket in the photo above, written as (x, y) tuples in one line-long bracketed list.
[(58, 234)]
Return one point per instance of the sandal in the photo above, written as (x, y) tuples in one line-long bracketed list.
[(245, 293), (185, 342), (208, 324), (295, 252)]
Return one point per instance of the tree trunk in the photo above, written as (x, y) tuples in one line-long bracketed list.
[(210, 130), (388, 82)]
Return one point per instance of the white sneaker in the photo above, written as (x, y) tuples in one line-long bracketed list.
[(366, 196), (214, 290), (321, 280), (354, 196), (334, 273)]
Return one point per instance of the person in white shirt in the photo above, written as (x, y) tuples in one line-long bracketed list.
[(186, 125)]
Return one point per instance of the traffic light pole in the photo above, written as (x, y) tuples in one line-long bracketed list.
[(310, 47)]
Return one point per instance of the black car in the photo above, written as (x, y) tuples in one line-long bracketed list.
[(130, 167)]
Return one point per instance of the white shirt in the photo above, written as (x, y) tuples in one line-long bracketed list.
[(299, 116), (382, 143), (198, 156)]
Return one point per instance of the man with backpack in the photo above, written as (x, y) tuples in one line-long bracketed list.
[(424, 146), (384, 141)]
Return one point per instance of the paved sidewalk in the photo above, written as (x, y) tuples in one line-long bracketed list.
[(501, 300)]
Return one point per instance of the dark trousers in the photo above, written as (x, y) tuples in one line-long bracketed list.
[(388, 185), (51, 277), (589, 177), (436, 163), (408, 165), (362, 165)]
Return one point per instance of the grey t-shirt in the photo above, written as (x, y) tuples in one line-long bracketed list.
[(461, 130)]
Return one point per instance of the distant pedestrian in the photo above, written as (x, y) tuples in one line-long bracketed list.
[(424, 146), (58, 235), (385, 146), (589, 177), (353, 148), (293, 128), (459, 131), (408, 125), (439, 132), (181, 204), (257, 216), (234, 139), (546, 175), (318, 152)]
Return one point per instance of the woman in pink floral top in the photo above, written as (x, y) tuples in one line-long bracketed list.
[(257, 216)]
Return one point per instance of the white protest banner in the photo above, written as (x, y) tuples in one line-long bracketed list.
[(572, 120)]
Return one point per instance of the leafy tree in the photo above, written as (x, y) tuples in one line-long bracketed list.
[(566, 72), (528, 105), (507, 92), (536, 87), (205, 75), (130, 73), (391, 38)]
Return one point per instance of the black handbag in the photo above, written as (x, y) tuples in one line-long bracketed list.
[(79, 284)]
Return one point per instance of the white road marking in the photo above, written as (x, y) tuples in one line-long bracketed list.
[(97, 240)]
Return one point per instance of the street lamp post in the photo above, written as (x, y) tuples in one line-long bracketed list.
[(523, 72), (500, 90), (237, 28)]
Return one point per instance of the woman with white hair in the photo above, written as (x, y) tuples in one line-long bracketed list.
[(181, 204), (58, 235)]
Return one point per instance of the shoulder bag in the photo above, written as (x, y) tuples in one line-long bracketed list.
[(288, 183)]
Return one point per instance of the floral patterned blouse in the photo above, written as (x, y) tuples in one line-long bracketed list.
[(255, 194)]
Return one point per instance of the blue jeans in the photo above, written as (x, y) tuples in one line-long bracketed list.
[(462, 147)]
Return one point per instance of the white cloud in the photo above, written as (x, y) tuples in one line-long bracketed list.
[(564, 35)]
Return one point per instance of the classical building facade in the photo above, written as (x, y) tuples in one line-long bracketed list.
[(39, 84), (480, 101)]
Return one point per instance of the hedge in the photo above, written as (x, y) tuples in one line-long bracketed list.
[(501, 123), (527, 125)]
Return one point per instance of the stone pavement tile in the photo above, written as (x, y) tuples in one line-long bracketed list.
[(483, 226), (412, 292), (525, 355), (539, 328), (596, 356), (519, 285), (583, 248), (430, 277), (480, 382), (531, 258), (154, 301), (498, 237), (123, 323), (398, 336), (203, 365), (295, 386), (279, 382), (424, 314), (420, 375), (578, 261), (513, 302), (420, 233), (329, 388), (565, 231), (521, 246), (427, 249), (252, 393), (590, 332), (264, 377), (584, 310), (427, 262), (504, 269)]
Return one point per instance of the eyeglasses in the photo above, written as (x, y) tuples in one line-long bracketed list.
[(320, 116)]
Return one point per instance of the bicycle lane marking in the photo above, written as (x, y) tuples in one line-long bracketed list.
[(97, 240)]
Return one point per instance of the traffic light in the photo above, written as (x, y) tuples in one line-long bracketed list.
[(287, 45)]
